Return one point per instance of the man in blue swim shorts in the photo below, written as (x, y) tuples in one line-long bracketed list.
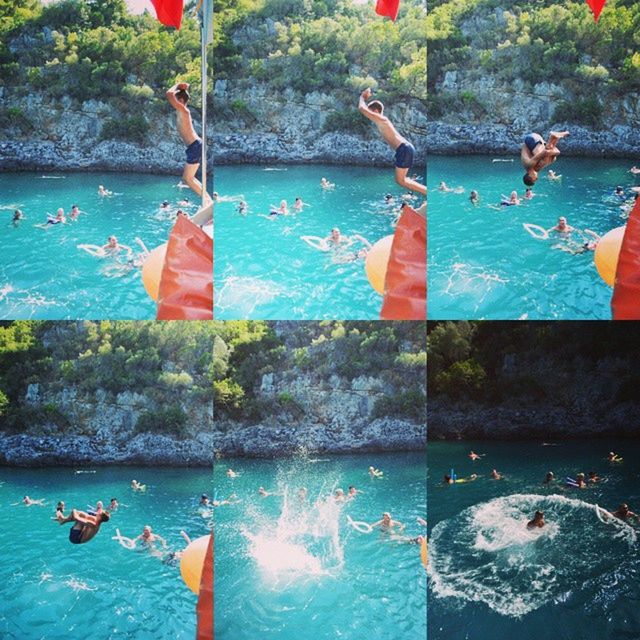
[(537, 154), (85, 526), (405, 151), (178, 97)]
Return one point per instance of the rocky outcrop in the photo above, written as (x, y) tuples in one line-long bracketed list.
[(65, 135), (469, 421)]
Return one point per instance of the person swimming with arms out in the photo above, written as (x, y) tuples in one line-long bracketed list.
[(404, 150), (476, 456), (136, 486), (85, 527), (495, 475), (113, 247), (613, 457), (562, 226), (353, 492), (104, 193), (536, 154), (375, 473), (232, 499), (59, 218), (387, 524), (178, 97), (299, 205), (149, 539), (537, 522), (231, 473), (29, 502), (326, 185), (625, 514)]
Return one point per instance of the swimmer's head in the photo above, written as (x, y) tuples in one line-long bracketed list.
[(562, 221), (146, 530), (104, 516), (530, 177), (335, 233), (386, 516), (283, 204), (182, 95), (113, 242), (114, 500), (376, 106), (538, 515)]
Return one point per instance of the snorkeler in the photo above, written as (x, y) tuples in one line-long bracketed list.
[(536, 154), (387, 524), (624, 513), (178, 97), (537, 522), (375, 473), (263, 492), (404, 150), (85, 526)]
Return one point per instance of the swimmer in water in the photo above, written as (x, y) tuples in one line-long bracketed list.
[(282, 210), (580, 479), (59, 218), (495, 475), (149, 539), (375, 473), (549, 478), (136, 486), (474, 198), (326, 185), (298, 204), (613, 457), (59, 510), (17, 216), (335, 238), (204, 500), (552, 175), (181, 214), (593, 477), (184, 203), (619, 192), (537, 522), (353, 492), (302, 494), (27, 501), (242, 208), (447, 189), (74, 213), (232, 499), (476, 456), (388, 199), (85, 526), (113, 247), (231, 473), (623, 513), (562, 226), (165, 204), (387, 524), (536, 154), (339, 495), (404, 150), (263, 492), (104, 192), (528, 194), (511, 201), (113, 505)]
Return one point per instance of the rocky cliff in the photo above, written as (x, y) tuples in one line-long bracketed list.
[(336, 415), (50, 134)]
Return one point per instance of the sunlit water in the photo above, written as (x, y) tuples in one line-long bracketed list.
[(264, 270), (43, 274), (482, 262), (288, 568), (55, 589), (491, 577)]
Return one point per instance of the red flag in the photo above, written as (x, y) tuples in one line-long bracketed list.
[(596, 6), (169, 12), (388, 8)]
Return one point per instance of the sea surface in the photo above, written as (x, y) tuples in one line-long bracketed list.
[(491, 577)]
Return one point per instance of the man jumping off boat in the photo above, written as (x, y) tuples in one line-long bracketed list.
[(536, 154), (405, 151)]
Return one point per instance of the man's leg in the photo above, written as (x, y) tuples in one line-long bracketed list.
[(408, 183), (554, 136), (189, 178)]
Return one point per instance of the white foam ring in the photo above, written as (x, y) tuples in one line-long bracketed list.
[(487, 555)]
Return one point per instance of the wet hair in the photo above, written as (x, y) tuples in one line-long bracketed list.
[(112, 499), (528, 180), (182, 95), (539, 514), (376, 105)]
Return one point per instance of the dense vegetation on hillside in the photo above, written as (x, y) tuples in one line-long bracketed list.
[(173, 364), (84, 49), (536, 41), (531, 362)]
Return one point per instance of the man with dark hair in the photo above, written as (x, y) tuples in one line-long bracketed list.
[(405, 151), (536, 154), (85, 526), (178, 97)]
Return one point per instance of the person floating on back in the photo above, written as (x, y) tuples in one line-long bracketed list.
[(536, 154), (178, 97), (405, 151)]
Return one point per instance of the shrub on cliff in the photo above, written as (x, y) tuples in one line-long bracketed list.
[(406, 404), (131, 129), (171, 420)]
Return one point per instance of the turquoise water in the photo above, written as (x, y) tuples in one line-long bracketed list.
[(53, 589), (264, 270), (489, 577), (289, 569), (42, 272), (483, 264)]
